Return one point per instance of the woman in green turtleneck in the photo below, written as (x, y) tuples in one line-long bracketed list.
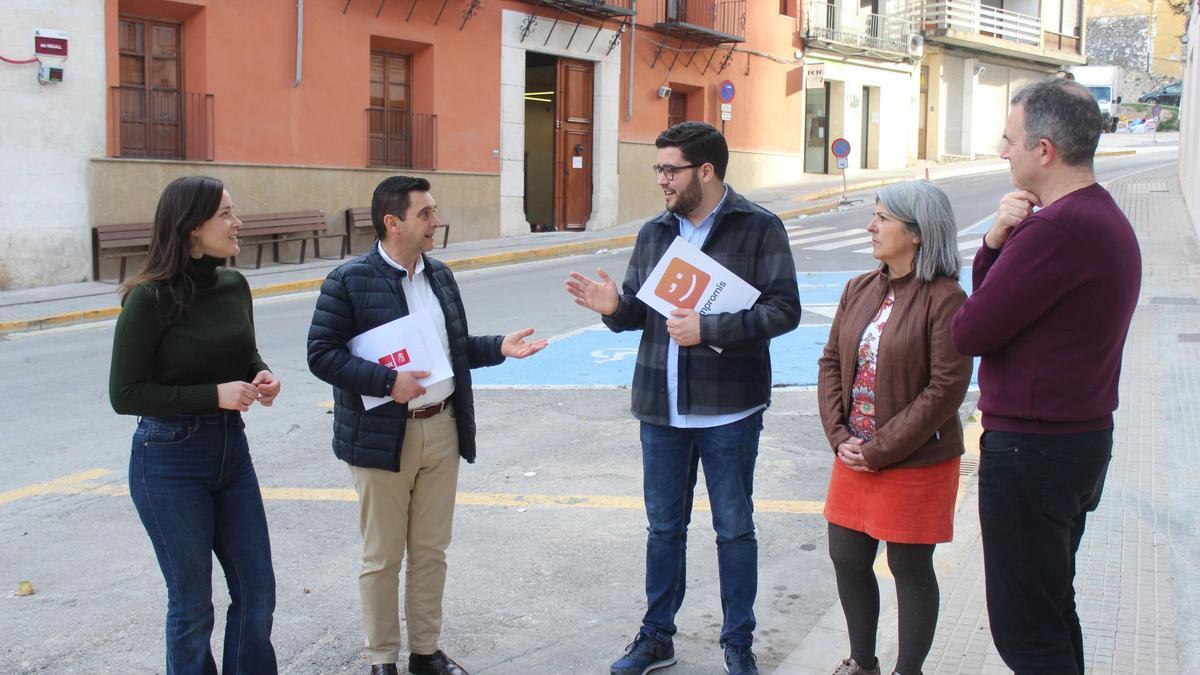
[(185, 361)]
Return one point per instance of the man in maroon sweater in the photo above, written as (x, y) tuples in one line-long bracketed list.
[(1054, 292)]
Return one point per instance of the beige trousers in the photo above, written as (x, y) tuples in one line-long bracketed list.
[(411, 510)]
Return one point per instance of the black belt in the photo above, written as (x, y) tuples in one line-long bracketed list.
[(428, 411)]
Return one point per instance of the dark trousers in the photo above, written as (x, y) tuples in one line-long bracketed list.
[(670, 459), (1035, 491), (196, 492)]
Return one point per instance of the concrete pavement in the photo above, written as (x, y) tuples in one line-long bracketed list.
[(1138, 579), (48, 306)]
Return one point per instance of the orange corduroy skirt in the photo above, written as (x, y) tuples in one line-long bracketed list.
[(905, 506)]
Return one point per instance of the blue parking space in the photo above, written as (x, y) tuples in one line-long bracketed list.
[(599, 357)]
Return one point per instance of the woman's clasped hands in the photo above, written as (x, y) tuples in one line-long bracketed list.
[(241, 395)]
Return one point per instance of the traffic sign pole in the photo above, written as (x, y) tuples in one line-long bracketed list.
[(841, 149), (726, 91)]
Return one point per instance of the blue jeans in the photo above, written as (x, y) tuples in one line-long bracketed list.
[(196, 492), (670, 457), (1035, 491)]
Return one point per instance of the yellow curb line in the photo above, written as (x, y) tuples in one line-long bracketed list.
[(473, 262), (77, 484), (480, 261), (807, 210), (851, 188)]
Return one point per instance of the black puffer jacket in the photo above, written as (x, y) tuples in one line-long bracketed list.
[(365, 293)]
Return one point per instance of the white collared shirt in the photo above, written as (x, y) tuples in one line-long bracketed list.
[(418, 292)]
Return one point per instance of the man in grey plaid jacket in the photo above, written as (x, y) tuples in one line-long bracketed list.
[(697, 405)]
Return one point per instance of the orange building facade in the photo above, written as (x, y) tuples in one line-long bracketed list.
[(523, 115)]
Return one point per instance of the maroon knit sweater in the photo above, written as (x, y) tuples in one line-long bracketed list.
[(1049, 314)]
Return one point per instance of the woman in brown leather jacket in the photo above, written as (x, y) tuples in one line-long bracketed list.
[(889, 390)]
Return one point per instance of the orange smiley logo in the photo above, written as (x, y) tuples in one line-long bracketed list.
[(682, 284)]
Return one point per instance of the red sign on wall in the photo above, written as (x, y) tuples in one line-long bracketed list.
[(50, 43)]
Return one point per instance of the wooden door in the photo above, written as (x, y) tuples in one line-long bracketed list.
[(150, 99), (389, 115), (676, 108), (573, 144)]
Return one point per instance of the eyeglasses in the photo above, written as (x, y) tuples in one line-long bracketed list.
[(670, 171)]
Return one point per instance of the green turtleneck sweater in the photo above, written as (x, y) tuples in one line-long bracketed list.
[(165, 366)]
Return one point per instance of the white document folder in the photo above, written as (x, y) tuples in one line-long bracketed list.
[(408, 343), (687, 278)]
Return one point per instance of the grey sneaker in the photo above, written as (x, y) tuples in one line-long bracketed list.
[(852, 667), (643, 655), (740, 661)]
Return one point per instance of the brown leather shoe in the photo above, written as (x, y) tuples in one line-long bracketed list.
[(436, 663), (384, 669)]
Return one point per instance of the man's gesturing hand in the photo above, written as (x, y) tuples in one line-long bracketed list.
[(598, 296), (516, 346)]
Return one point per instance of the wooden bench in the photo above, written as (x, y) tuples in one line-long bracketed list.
[(119, 241), (360, 218), (261, 229)]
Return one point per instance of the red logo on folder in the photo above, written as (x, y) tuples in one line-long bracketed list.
[(395, 359), (682, 284)]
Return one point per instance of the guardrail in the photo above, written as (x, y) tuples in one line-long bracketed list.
[(980, 19), (828, 22)]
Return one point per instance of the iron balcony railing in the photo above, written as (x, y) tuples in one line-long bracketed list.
[(840, 24), (401, 139), (593, 8), (973, 17), (714, 20), (161, 124)]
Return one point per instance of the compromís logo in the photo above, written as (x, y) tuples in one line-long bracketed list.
[(682, 284)]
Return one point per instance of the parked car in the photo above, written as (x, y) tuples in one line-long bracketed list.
[(1168, 95)]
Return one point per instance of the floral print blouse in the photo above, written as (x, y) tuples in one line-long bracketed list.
[(862, 392)]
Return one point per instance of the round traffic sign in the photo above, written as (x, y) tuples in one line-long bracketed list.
[(840, 147), (726, 91)]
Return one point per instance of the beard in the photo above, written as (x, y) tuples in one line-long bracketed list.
[(687, 199)]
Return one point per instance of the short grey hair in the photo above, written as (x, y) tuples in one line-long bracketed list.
[(1063, 112), (926, 212)]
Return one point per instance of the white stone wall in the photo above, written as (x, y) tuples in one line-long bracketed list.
[(47, 135), (1189, 110), (994, 88), (896, 114)]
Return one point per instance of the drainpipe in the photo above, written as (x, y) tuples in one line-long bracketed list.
[(299, 40), (629, 98)]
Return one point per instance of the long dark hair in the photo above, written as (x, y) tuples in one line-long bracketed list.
[(183, 206)]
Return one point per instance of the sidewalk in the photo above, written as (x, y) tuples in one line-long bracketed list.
[(48, 306), (1138, 580)]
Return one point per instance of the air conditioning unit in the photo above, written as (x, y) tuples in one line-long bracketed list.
[(915, 44)]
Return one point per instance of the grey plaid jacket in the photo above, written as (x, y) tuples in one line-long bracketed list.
[(751, 242)]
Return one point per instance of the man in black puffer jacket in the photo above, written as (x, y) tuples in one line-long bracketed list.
[(403, 455)]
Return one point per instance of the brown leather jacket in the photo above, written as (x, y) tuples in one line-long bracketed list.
[(920, 379)]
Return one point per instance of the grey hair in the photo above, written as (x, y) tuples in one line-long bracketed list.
[(926, 213), (1063, 112)]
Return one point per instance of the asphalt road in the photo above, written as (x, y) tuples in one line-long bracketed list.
[(546, 565)]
